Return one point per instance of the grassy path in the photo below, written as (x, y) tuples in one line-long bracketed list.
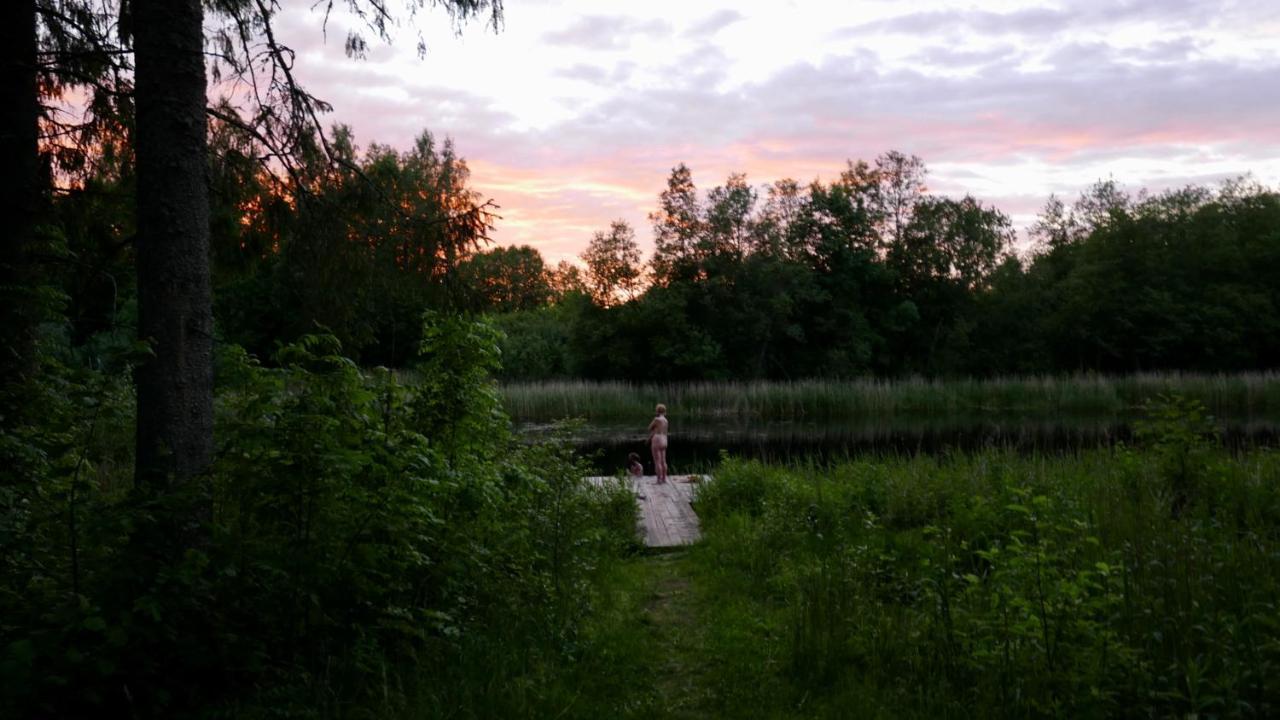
[(648, 657), (665, 647), (674, 638)]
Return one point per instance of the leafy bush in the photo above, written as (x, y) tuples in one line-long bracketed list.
[(999, 585), (1181, 434), (375, 549)]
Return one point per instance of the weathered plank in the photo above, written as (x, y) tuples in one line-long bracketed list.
[(666, 513)]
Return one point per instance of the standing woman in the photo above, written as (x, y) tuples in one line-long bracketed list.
[(658, 443)]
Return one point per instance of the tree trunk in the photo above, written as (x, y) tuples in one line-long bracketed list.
[(175, 386), (20, 191)]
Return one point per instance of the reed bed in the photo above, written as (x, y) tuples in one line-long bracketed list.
[(1243, 394)]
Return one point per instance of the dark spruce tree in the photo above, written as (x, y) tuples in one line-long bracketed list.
[(20, 183), (175, 385), (47, 47)]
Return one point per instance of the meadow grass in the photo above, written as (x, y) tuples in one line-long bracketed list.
[(1114, 583), (1243, 394)]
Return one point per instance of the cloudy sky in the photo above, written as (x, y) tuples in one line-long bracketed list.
[(575, 113)]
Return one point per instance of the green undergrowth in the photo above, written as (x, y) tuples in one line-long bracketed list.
[(660, 647), (377, 549), (1125, 583), (359, 549)]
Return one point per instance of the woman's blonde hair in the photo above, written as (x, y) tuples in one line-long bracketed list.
[(661, 409)]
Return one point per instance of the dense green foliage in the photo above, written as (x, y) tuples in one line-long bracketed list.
[(867, 275), (870, 275), (361, 253), (375, 549), (1126, 583)]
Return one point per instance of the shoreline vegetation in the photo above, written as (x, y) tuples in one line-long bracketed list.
[(1132, 582), (1250, 394)]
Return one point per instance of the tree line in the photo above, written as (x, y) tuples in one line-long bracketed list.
[(870, 274), (867, 274)]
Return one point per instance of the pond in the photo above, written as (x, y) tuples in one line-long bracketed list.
[(696, 446)]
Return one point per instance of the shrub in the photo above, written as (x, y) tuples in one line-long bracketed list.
[(375, 549)]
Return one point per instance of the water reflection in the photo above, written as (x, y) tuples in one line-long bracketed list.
[(696, 447)]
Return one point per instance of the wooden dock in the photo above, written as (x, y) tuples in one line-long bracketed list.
[(667, 519)]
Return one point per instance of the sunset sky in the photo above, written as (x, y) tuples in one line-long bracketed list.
[(574, 114)]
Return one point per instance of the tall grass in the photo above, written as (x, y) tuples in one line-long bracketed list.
[(1244, 394), (1117, 583)]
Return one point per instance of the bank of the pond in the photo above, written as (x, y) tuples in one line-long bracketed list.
[(1113, 583), (1125, 582), (697, 445), (1242, 395)]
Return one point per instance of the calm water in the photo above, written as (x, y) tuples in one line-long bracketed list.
[(696, 447)]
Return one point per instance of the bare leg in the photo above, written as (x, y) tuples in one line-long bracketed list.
[(660, 464)]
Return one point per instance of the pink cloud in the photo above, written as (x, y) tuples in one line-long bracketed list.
[(1084, 108)]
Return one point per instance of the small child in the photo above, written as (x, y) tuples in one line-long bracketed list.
[(636, 471)]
